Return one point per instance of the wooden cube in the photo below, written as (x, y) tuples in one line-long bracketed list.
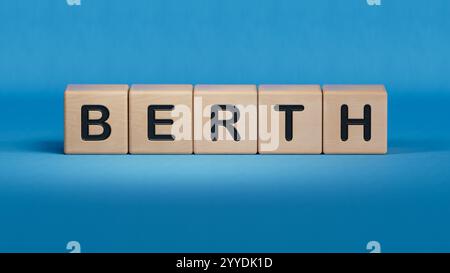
[(225, 119), (354, 119), (96, 119), (290, 119), (161, 119)]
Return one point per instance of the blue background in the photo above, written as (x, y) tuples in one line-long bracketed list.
[(299, 203)]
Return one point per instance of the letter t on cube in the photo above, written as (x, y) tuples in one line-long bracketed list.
[(290, 119)]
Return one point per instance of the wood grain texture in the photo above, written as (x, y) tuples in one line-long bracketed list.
[(244, 97), (355, 97), (307, 123), (141, 97), (115, 98)]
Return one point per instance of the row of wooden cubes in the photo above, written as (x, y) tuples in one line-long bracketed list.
[(225, 119)]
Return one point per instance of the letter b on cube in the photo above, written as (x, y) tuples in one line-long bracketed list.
[(96, 119)]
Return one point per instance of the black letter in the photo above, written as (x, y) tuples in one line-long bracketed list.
[(85, 122), (366, 122), (289, 109), (152, 121), (226, 123)]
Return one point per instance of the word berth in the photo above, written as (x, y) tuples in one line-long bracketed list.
[(225, 119)]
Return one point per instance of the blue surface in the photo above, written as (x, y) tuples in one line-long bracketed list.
[(298, 203)]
